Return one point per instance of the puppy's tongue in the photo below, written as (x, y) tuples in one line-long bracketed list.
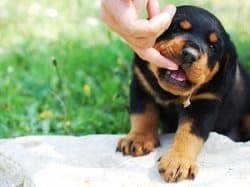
[(178, 75)]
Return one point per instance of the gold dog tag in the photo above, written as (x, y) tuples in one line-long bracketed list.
[(187, 102)]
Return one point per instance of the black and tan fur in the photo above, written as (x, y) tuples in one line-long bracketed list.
[(214, 94)]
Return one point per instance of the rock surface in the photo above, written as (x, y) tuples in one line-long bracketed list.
[(67, 161)]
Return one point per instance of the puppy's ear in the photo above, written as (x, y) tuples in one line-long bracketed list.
[(228, 62), (229, 59)]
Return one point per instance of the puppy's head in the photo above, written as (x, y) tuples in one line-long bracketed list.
[(196, 42)]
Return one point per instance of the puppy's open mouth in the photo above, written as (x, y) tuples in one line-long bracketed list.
[(177, 77)]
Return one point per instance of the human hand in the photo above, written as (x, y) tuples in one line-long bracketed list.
[(122, 16)]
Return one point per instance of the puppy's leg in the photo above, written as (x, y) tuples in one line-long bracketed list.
[(194, 126), (142, 137), (179, 162), (245, 128)]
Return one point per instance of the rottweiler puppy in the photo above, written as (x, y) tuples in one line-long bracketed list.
[(209, 92)]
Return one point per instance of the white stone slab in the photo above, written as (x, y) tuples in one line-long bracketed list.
[(68, 161)]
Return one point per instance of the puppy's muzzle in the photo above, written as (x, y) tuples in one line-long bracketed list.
[(189, 55)]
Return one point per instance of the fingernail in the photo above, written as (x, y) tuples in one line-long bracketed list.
[(171, 65)]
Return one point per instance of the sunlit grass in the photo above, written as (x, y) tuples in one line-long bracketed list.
[(87, 92)]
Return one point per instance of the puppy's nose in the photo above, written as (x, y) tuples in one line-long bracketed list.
[(189, 55)]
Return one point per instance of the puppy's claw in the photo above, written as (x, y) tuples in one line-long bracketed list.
[(162, 170), (192, 176), (159, 159)]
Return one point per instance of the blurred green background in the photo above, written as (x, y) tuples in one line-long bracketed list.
[(63, 72)]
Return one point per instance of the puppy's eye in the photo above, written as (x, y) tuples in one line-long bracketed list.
[(177, 28), (213, 40), (212, 47)]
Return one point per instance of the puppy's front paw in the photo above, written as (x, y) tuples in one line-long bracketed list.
[(176, 167), (137, 144)]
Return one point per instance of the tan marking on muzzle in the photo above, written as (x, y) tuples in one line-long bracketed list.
[(199, 73), (171, 48)]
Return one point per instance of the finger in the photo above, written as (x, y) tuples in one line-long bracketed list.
[(140, 5), (153, 56), (107, 18), (164, 22), (153, 8), (170, 9), (141, 42), (153, 27)]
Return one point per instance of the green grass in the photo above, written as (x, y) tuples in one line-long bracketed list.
[(87, 92)]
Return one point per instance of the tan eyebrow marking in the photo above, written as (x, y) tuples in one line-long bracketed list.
[(213, 37), (185, 25)]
